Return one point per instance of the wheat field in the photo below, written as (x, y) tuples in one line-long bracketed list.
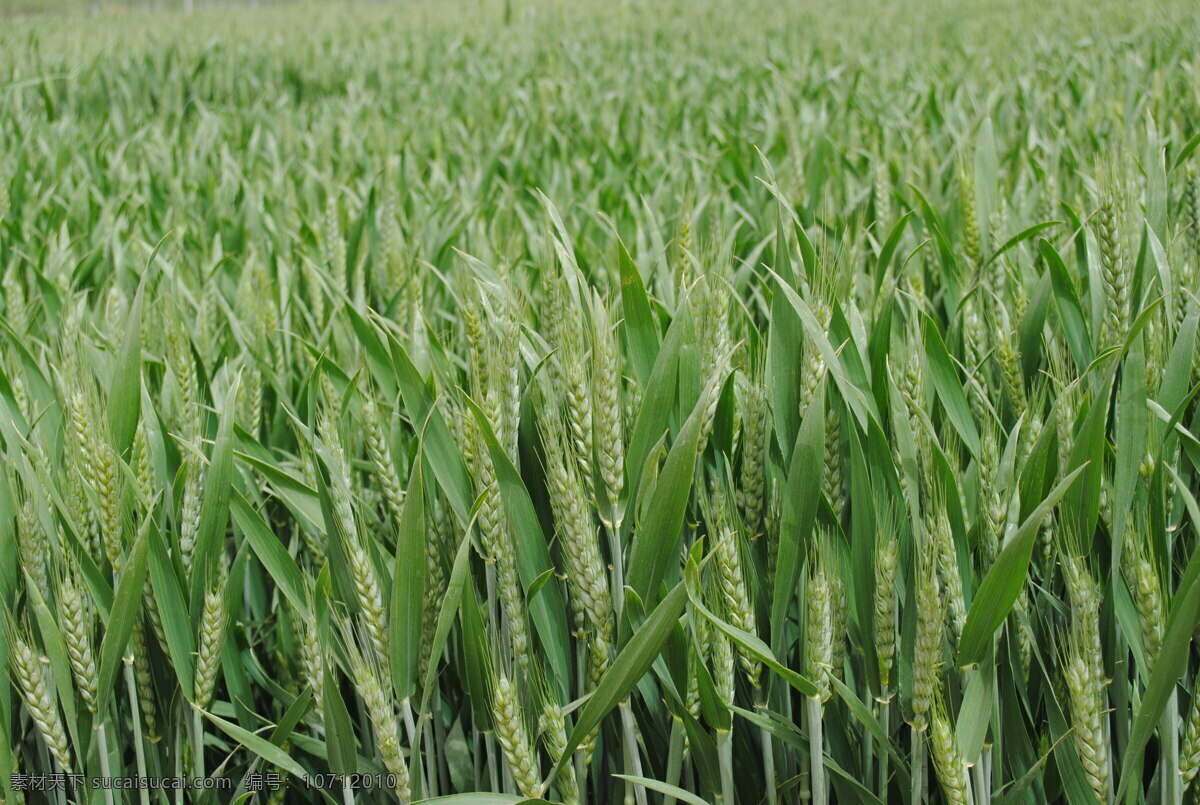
[(711, 402)]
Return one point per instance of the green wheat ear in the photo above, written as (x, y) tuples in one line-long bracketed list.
[(31, 681), (1189, 756), (887, 563), (948, 760), (210, 640), (509, 721), (76, 617), (371, 683)]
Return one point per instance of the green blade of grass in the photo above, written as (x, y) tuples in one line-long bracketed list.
[(547, 610), (1000, 587), (127, 608), (408, 589), (630, 665)]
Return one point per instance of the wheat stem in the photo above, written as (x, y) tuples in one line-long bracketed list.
[(884, 755), (633, 757), (197, 742), (918, 765), (768, 760), (105, 765), (816, 751), (1171, 790), (139, 749), (674, 757)]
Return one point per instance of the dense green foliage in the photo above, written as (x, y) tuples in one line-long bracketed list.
[(708, 402), (133, 11)]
